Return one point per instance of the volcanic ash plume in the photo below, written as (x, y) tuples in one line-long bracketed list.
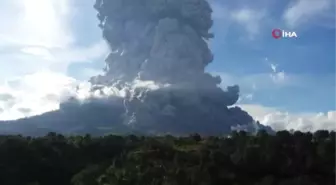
[(162, 44)]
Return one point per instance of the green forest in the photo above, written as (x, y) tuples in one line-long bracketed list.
[(285, 158)]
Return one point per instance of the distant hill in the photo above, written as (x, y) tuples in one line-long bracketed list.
[(98, 118)]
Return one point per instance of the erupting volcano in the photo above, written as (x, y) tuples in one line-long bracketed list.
[(165, 42)]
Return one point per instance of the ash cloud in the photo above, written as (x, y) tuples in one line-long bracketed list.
[(163, 46)]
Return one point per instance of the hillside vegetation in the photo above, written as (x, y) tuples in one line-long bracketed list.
[(241, 159)]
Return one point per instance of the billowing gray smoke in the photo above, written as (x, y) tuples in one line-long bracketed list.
[(165, 42)]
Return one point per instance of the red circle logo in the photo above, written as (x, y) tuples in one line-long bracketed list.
[(277, 33)]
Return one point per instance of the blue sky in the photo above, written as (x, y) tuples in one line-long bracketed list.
[(47, 46), (307, 62)]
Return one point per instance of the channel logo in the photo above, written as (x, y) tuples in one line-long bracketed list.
[(278, 34)]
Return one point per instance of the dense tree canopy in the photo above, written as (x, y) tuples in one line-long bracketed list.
[(281, 159)]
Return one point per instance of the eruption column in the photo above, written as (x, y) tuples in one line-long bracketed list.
[(164, 43)]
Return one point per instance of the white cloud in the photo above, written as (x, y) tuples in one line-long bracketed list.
[(39, 38), (37, 51), (280, 120), (245, 97), (89, 72), (277, 118), (34, 94), (37, 45), (249, 96), (35, 22), (308, 11), (278, 77), (274, 67), (250, 19)]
